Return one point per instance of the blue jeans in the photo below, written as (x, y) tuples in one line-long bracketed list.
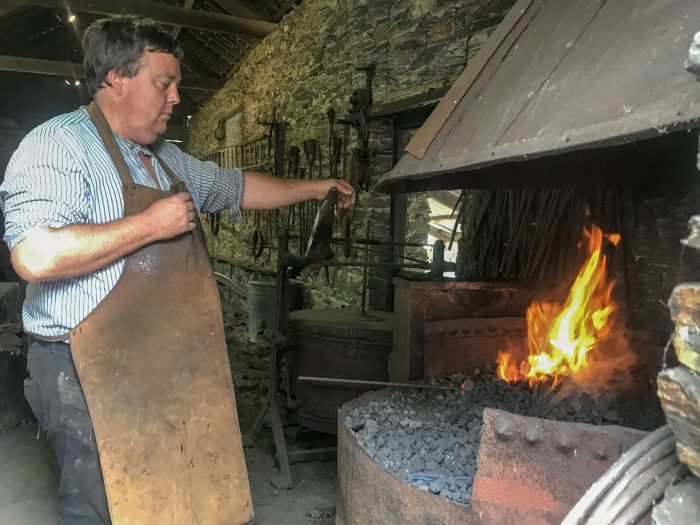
[(57, 400)]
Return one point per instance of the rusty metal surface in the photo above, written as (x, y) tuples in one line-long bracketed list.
[(339, 344), (532, 471), (529, 471), (370, 495), (419, 302), (583, 74), (462, 345)]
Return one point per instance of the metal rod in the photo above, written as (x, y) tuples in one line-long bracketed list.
[(380, 242), (365, 272), (375, 251), (333, 262), (340, 381), (587, 504)]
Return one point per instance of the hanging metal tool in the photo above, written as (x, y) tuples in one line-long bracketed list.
[(360, 101)]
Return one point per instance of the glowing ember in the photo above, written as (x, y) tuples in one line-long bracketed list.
[(562, 338)]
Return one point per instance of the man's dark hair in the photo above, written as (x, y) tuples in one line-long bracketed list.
[(119, 43)]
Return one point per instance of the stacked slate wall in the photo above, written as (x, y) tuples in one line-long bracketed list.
[(309, 64)]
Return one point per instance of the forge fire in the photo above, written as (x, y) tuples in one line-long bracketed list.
[(581, 338)]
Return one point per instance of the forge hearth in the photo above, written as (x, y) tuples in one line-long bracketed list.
[(428, 442)]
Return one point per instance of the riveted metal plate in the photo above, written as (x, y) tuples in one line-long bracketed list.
[(462, 345), (540, 468)]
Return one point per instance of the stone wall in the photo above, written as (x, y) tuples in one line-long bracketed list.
[(310, 64)]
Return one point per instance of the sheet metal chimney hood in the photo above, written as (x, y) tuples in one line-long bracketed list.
[(560, 83)]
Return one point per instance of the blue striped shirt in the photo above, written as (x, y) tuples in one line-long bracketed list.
[(61, 174)]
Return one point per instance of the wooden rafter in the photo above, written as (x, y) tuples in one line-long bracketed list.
[(162, 13), (187, 4), (238, 8), (72, 70)]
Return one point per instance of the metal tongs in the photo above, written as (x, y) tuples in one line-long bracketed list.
[(318, 247)]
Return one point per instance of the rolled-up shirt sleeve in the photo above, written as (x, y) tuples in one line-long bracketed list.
[(213, 188), (44, 187)]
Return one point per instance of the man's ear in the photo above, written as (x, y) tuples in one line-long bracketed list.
[(115, 80)]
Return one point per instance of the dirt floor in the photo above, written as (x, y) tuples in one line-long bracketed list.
[(27, 467), (311, 501)]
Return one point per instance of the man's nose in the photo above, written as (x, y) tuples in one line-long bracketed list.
[(173, 95)]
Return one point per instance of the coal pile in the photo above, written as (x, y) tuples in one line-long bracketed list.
[(430, 438)]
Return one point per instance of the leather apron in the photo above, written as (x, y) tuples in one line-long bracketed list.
[(153, 364)]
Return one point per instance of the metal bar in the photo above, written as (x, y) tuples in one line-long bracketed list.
[(311, 452), (162, 13), (333, 262), (384, 243), (365, 274), (586, 505), (72, 70), (340, 381)]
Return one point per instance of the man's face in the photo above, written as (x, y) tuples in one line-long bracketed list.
[(148, 98)]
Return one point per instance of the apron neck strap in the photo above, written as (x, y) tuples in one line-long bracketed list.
[(107, 136), (174, 180)]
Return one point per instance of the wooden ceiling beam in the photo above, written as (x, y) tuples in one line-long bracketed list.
[(8, 5), (238, 8), (72, 70), (162, 13), (187, 4)]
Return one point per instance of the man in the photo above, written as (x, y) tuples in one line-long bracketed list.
[(118, 284)]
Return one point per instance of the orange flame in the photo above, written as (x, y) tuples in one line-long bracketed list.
[(561, 338)]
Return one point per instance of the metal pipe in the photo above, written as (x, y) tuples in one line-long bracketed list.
[(628, 489), (614, 497), (587, 504), (365, 272), (340, 381)]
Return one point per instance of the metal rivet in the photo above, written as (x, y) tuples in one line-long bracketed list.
[(532, 436), (606, 450), (565, 440), (503, 428)]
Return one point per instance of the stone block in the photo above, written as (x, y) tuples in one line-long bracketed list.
[(679, 391)]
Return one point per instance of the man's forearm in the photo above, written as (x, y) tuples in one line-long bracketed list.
[(50, 254), (264, 192), (59, 253)]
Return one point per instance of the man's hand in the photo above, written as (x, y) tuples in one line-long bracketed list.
[(346, 193), (171, 216)]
